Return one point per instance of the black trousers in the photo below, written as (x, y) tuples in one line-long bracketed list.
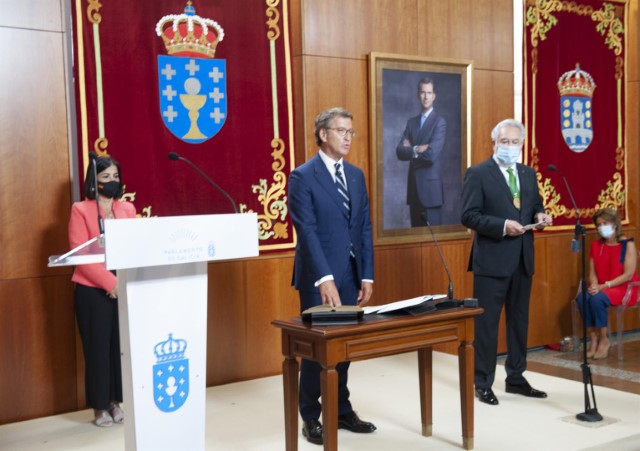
[(434, 214), (97, 317), (493, 293), (309, 389)]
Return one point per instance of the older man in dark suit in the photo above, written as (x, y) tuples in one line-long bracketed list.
[(333, 264), (501, 203), (421, 145)]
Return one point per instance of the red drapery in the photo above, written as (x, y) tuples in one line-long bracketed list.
[(124, 102), (574, 104)]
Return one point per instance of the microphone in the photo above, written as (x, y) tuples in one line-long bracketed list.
[(575, 243), (174, 156), (92, 157), (450, 302)]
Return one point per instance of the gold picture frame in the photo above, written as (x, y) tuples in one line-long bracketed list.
[(394, 81)]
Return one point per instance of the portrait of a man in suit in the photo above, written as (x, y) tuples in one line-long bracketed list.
[(421, 145), (422, 148)]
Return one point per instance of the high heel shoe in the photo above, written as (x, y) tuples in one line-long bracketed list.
[(103, 419), (602, 355), (116, 413)]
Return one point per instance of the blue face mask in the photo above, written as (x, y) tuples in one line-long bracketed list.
[(508, 155), (606, 231)]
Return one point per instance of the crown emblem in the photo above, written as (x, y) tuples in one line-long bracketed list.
[(171, 349), (188, 34), (576, 83)]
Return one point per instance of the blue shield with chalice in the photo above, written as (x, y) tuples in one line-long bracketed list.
[(576, 102), (192, 85), (170, 375)]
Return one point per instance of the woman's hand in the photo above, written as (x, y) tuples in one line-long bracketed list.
[(596, 288)]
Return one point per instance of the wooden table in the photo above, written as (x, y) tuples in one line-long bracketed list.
[(376, 336)]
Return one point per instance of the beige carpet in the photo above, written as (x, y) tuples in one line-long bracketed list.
[(249, 416)]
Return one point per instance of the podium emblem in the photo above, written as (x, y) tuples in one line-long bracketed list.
[(192, 85), (170, 374), (576, 101)]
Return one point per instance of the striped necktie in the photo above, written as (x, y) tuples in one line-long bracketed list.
[(341, 185)]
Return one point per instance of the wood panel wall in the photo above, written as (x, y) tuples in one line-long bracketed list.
[(40, 356)]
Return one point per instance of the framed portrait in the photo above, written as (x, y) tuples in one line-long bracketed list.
[(420, 143)]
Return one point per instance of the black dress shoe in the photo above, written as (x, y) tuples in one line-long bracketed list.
[(351, 422), (312, 430), (486, 396), (525, 389)]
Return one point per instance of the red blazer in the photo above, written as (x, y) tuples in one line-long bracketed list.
[(83, 225)]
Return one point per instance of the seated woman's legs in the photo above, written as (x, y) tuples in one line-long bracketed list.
[(597, 320)]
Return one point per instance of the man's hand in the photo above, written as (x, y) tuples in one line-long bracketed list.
[(329, 293), (514, 228), (422, 148), (544, 219), (365, 293)]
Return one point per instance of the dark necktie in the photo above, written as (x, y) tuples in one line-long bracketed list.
[(341, 185), (346, 200)]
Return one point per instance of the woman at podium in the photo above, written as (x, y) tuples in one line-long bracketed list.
[(96, 291)]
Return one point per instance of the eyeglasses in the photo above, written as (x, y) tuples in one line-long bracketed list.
[(343, 131), (513, 142)]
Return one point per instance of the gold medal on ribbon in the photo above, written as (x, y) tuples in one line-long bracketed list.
[(516, 202)]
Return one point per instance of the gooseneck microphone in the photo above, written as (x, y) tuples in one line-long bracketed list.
[(552, 167), (444, 262), (174, 156), (575, 243), (94, 168), (450, 302)]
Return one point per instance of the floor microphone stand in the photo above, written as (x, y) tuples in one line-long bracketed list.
[(590, 414)]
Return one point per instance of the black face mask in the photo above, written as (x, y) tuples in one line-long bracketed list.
[(109, 189)]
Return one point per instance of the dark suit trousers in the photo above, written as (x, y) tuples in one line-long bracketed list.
[(309, 393), (493, 293), (434, 214)]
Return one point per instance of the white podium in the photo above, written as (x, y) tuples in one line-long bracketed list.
[(162, 291)]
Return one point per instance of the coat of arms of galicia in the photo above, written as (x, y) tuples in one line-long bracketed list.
[(192, 85), (576, 100), (170, 374)]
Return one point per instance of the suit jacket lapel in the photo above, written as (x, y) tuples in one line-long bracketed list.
[(524, 194), (497, 174), (353, 187), (427, 128), (326, 181)]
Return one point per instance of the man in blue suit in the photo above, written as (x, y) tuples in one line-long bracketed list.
[(333, 265), (421, 144), (500, 198)]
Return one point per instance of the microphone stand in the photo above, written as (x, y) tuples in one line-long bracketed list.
[(590, 414), (450, 302), (174, 156), (93, 157)]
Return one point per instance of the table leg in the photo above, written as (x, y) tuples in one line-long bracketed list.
[(465, 368), (290, 380), (425, 359), (329, 391)]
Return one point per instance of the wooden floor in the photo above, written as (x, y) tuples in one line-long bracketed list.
[(621, 375)]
